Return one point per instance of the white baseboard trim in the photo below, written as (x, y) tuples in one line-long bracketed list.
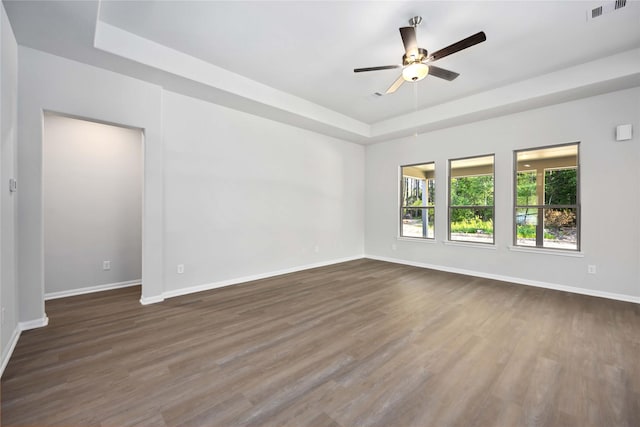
[(34, 324), (240, 280), (90, 289), (6, 355), (151, 300), (15, 336), (517, 280)]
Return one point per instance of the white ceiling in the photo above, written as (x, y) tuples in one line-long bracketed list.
[(307, 50)]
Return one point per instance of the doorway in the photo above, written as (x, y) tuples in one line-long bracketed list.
[(92, 206)]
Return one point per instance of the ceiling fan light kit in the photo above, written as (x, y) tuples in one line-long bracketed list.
[(415, 72), (416, 61)]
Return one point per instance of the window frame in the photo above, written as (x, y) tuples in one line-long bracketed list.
[(543, 206), (493, 206), (426, 208)]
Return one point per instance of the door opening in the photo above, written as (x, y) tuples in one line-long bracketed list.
[(92, 206)]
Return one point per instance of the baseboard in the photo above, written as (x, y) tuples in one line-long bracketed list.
[(239, 280), (90, 289), (34, 324), (151, 300), (15, 336), (517, 280), (6, 355)]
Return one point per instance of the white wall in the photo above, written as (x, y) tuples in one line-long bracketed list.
[(231, 195), (8, 121), (92, 204), (51, 83), (247, 196), (610, 193)]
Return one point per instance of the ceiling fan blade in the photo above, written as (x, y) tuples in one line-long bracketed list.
[(457, 47), (382, 67), (442, 73), (408, 35), (395, 85)]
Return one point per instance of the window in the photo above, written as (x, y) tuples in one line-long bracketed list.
[(417, 210), (546, 207), (471, 209)]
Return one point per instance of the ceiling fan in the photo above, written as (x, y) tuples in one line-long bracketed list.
[(416, 61)]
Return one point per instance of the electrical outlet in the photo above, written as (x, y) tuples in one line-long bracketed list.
[(591, 269), (180, 268), (106, 265), (316, 249), (394, 247)]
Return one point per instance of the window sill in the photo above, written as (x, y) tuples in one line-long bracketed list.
[(559, 252), (489, 246), (416, 239)]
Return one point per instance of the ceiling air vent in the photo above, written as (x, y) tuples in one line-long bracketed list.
[(620, 4), (596, 12), (605, 8)]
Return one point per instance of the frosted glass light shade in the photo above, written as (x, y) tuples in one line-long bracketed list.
[(414, 72)]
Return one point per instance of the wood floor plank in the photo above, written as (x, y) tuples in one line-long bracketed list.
[(362, 343)]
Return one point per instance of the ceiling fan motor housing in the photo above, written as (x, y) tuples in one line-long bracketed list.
[(420, 56)]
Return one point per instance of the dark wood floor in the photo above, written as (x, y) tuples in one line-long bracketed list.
[(355, 344)]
